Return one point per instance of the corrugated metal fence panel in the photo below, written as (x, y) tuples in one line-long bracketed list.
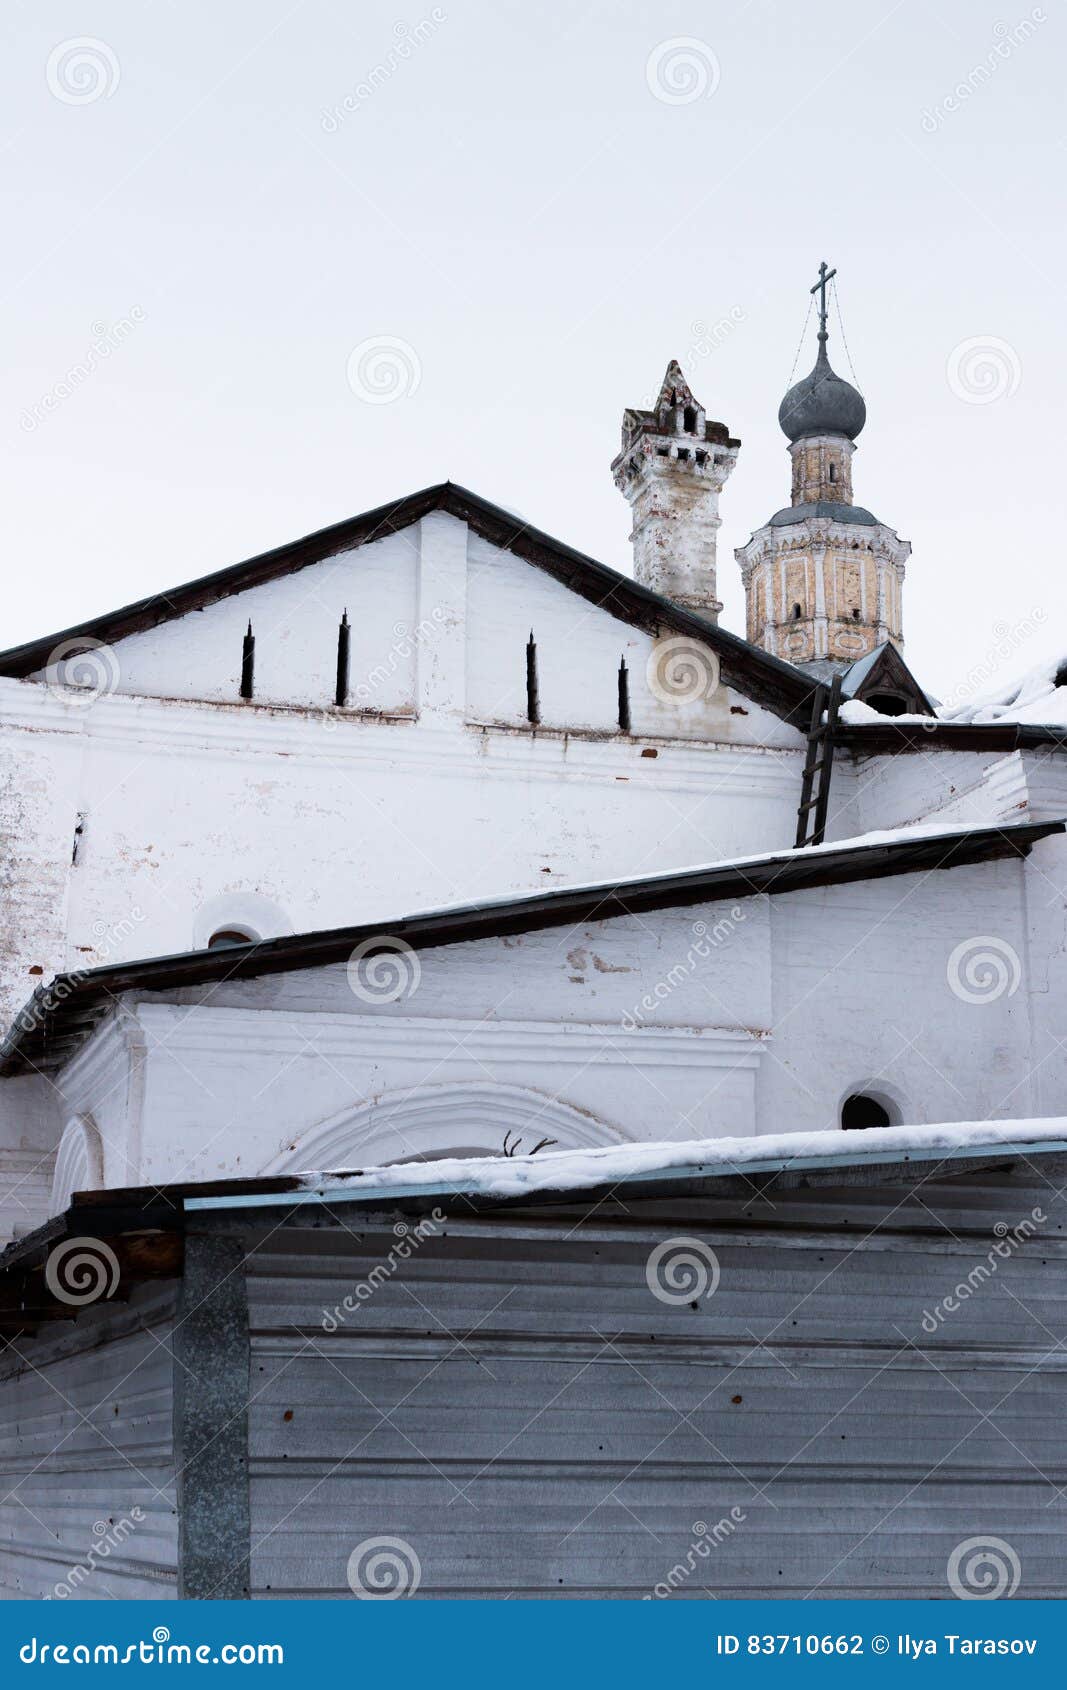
[(87, 1505), (530, 1419)]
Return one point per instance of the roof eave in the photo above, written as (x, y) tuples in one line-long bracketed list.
[(767, 680), (60, 1015)]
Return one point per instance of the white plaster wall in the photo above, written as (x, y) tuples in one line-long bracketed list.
[(784, 1007), (183, 804), (970, 788), (295, 621), (878, 988), (404, 802), (579, 647)]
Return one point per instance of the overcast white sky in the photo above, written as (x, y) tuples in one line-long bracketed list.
[(227, 201)]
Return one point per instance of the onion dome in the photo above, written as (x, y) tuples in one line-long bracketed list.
[(822, 404)]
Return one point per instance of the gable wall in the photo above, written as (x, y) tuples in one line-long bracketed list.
[(295, 621), (191, 804)]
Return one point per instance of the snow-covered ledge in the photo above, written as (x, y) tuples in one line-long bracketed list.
[(575, 1170)]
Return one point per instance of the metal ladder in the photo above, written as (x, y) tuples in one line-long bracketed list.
[(815, 786)]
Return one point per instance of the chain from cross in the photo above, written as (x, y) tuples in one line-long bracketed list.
[(825, 276)]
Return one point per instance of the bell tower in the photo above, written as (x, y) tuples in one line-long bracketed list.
[(823, 578), (672, 466)]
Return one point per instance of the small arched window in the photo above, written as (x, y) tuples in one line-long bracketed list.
[(689, 420), (224, 937), (861, 1111), (833, 472), (797, 613)]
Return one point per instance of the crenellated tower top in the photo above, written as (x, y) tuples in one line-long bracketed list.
[(672, 465)]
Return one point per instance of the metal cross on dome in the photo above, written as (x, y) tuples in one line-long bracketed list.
[(825, 276)]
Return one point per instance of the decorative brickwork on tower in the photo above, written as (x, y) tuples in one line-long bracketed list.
[(823, 577)]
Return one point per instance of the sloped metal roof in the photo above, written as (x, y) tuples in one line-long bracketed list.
[(63, 1013)]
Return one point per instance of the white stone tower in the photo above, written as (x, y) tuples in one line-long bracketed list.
[(823, 577), (671, 469)]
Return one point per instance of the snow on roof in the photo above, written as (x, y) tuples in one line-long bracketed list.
[(791, 853), (575, 1170), (1034, 698)]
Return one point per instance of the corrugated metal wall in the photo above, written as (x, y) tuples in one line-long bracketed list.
[(86, 1466), (516, 1405)]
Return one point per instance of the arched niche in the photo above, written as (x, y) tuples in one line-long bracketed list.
[(887, 1098), (79, 1163), (247, 913), (466, 1119)]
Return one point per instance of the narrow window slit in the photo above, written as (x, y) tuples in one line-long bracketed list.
[(340, 696), (624, 696), (533, 701), (248, 663)]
